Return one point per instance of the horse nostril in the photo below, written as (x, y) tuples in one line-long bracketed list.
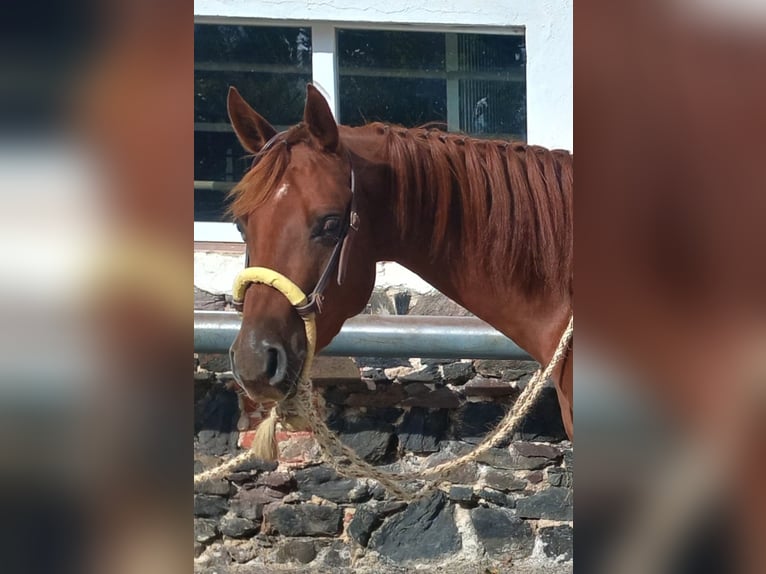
[(231, 362), (272, 362), (276, 364)]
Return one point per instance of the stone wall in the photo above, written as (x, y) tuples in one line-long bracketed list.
[(509, 511)]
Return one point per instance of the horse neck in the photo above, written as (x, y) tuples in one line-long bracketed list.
[(532, 321)]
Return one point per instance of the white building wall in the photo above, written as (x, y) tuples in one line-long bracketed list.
[(548, 36)]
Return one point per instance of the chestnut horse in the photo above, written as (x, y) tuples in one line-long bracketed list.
[(487, 223)]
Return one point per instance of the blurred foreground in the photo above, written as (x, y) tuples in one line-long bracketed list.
[(670, 202), (96, 160)]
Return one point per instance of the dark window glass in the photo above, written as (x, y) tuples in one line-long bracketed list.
[(472, 83), (270, 66)]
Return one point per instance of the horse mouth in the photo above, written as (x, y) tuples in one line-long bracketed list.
[(262, 391)]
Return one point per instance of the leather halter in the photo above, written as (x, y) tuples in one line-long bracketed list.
[(339, 255)]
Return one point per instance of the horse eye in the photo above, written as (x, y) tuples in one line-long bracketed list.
[(241, 230), (327, 229), (331, 226)]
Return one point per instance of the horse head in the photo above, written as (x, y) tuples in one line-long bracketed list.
[(294, 210)]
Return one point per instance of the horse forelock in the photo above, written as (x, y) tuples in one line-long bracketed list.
[(265, 174), (510, 202)]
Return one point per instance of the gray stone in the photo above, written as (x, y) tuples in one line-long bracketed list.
[(260, 494), (242, 478), (380, 304), (324, 482), (435, 303), (500, 531), (531, 449), (497, 497), (237, 527), (245, 509), (515, 375), (209, 506), (242, 553), (500, 368), (382, 362), (385, 395), (503, 480), (441, 398), (438, 361), (362, 525), (449, 449), (425, 530), (421, 430), (304, 519), (215, 442), (535, 477), (388, 508), (491, 367), (466, 473), (569, 459), (373, 374), (557, 541), (484, 387), (215, 363), (338, 555), (417, 389), (205, 530), (543, 422), (462, 494), (370, 434), (396, 372), (249, 503), (248, 471), (215, 420), (335, 395), (523, 381), (257, 464), (402, 302), (504, 459), (277, 480), (475, 420), (371, 445), (553, 503), (208, 301), (457, 373), (377, 491), (220, 487), (302, 551), (202, 378), (558, 476), (425, 374)]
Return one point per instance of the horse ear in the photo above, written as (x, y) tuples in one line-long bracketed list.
[(252, 130), (319, 119)]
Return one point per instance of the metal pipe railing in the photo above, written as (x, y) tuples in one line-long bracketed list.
[(381, 336)]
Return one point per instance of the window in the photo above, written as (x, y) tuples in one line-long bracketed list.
[(473, 83), (270, 66)]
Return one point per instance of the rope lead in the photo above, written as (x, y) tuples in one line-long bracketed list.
[(302, 411)]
